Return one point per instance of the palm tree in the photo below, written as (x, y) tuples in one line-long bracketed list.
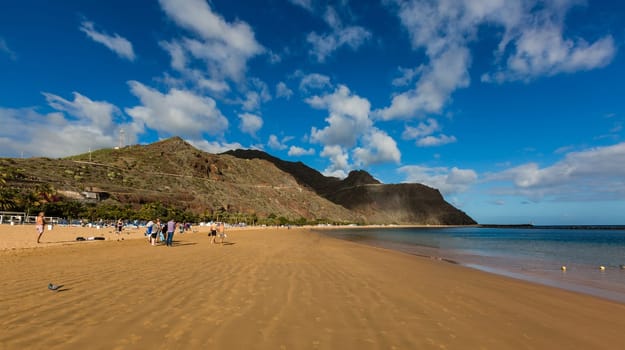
[(45, 193), (8, 199)]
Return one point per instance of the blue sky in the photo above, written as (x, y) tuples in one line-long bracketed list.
[(513, 109)]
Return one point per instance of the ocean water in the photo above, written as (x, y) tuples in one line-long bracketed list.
[(532, 254)]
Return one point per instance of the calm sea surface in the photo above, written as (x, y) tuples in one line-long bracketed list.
[(533, 254)]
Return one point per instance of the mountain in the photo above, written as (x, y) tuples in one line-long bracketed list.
[(363, 194), (245, 182)]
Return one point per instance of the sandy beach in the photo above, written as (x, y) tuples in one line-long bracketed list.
[(272, 288)]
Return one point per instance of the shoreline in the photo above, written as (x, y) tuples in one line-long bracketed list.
[(274, 288), (577, 278)]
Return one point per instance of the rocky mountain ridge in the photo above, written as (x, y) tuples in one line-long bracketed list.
[(362, 193), (243, 181)]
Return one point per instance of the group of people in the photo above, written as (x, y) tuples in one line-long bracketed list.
[(215, 229), (164, 232), (156, 231)]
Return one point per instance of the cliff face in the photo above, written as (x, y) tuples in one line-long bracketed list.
[(375, 202), (401, 204)]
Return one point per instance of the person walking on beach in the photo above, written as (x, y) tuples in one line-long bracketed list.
[(171, 228), (154, 231), (148, 228), (221, 228), (120, 226), (213, 232), (157, 233), (40, 221)]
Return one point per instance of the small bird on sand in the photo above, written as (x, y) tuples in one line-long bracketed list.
[(53, 287)]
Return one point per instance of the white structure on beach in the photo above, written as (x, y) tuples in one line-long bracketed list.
[(12, 217)]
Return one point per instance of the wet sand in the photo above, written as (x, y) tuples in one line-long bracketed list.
[(274, 289)]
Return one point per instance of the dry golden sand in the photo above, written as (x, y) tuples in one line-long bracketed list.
[(275, 289)]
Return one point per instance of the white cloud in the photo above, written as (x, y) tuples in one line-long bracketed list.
[(121, 46), (307, 4), (275, 143), (544, 52), (256, 95), (4, 48), (224, 47), (250, 123), (222, 61), (178, 112), (349, 126), (197, 17), (532, 44), (377, 148), (348, 119), (178, 56), (422, 130), (446, 72), (81, 124), (423, 134), (432, 141), (283, 91), (214, 53), (197, 77), (215, 146), (448, 181), (273, 57), (323, 45), (314, 81), (251, 102), (212, 85), (295, 151), (76, 127), (407, 76), (181, 63), (99, 114), (592, 174), (339, 161)]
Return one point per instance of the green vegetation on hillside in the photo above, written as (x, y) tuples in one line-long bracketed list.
[(171, 178)]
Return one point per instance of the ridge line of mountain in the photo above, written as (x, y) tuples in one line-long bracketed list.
[(247, 183)]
